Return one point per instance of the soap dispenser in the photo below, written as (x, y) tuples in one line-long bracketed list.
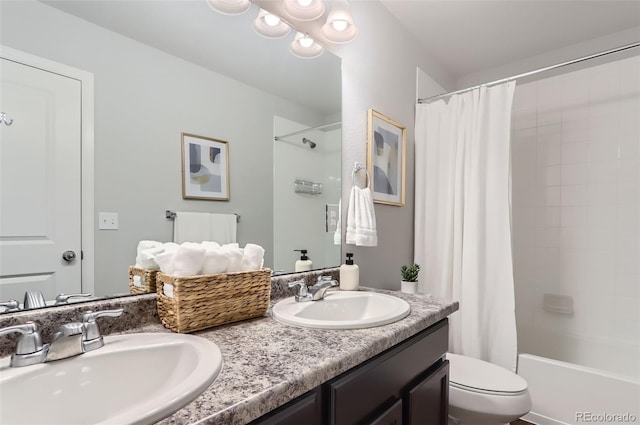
[(304, 263), (349, 275)]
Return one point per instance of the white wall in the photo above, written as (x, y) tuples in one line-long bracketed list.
[(576, 180), (144, 99), (379, 72)]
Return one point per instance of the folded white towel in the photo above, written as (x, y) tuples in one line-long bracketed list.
[(143, 261), (235, 259), (144, 245), (188, 259), (146, 258), (216, 260), (252, 258), (361, 218), (165, 262)]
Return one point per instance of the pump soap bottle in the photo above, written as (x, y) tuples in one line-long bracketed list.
[(349, 275), (304, 263)]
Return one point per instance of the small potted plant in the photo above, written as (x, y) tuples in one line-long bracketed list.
[(409, 282)]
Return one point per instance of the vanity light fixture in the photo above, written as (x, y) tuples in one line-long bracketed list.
[(230, 7), (304, 10), (305, 47), (270, 26), (339, 27)]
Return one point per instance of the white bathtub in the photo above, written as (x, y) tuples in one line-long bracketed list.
[(565, 393)]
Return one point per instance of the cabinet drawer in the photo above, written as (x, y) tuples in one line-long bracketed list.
[(428, 401), (392, 416), (303, 410), (360, 391)]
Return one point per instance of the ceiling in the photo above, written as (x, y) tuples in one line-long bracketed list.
[(468, 36)]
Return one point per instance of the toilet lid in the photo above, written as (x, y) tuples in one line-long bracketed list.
[(474, 374)]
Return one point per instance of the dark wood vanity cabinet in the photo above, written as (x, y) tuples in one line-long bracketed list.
[(407, 384)]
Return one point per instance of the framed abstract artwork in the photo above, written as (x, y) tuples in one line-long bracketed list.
[(205, 168), (386, 156)]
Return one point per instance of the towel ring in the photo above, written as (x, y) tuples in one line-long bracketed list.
[(357, 167)]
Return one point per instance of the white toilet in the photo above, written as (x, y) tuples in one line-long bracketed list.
[(482, 393)]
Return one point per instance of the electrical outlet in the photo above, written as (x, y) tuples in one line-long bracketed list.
[(108, 221)]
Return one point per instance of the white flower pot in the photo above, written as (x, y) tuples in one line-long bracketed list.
[(409, 287)]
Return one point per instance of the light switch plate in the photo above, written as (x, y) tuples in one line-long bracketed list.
[(108, 221)]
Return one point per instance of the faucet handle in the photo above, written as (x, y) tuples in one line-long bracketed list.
[(29, 346), (92, 337), (64, 298), (303, 293), (325, 278), (11, 305)]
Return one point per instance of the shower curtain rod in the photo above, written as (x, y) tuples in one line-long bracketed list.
[(526, 74), (320, 127)]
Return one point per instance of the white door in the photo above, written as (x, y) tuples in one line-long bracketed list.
[(40, 182)]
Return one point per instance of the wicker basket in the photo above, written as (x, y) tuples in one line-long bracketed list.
[(201, 302), (148, 278)]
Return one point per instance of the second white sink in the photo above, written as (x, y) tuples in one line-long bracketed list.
[(134, 379), (342, 310)]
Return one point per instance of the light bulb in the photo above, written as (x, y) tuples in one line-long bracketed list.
[(271, 20), (305, 41), (304, 3), (339, 25)]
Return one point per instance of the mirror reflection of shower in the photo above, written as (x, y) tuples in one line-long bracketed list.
[(307, 188)]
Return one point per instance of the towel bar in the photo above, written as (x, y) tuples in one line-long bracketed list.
[(171, 215)]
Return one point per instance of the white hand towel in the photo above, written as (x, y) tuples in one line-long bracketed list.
[(198, 227), (337, 236), (188, 259), (252, 258), (361, 218), (216, 260), (223, 227), (235, 259)]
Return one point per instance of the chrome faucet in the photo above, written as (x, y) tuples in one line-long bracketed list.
[(316, 292), (71, 339), (29, 349)]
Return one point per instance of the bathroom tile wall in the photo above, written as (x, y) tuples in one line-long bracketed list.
[(575, 140)]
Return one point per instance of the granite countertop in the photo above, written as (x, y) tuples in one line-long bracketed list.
[(267, 363)]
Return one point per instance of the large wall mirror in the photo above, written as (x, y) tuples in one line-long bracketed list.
[(163, 68)]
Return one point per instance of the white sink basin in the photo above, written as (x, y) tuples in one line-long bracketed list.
[(342, 310), (133, 379)]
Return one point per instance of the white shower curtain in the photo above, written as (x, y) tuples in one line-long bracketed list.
[(463, 219)]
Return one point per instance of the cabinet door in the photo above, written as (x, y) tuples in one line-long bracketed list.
[(428, 401), (357, 393), (391, 416), (304, 410)]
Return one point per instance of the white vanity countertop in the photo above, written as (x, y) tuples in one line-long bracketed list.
[(267, 363)]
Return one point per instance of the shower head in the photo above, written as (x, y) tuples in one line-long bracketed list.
[(312, 145)]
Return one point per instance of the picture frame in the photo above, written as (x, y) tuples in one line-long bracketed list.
[(386, 159), (205, 168)]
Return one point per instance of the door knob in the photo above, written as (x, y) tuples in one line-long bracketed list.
[(68, 256)]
